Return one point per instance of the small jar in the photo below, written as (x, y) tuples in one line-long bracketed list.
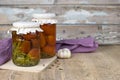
[(48, 36), (25, 43)]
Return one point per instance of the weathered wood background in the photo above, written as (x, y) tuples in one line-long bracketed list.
[(59, 2), (76, 18)]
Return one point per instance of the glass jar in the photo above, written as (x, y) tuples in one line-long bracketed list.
[(48, 36), (25, 43)]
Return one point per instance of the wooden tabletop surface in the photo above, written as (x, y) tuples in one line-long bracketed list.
[(103, 64)]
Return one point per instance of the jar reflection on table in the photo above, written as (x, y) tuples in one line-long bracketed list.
[(26, 45), (48, 36)]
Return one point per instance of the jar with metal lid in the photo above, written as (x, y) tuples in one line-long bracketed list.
[(25, 43), (47, 23)]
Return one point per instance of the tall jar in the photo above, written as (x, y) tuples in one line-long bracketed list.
[(25, 43), (47, 23)]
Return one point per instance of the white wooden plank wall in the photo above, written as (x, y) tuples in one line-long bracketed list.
[(73, 14), (59, 1), (97, 18), (26, 2)]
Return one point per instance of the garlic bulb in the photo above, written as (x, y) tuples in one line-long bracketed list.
[(64, 53)]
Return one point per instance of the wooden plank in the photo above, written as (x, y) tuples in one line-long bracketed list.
[(98, 65), (15, 2), (17, 75), (73, 32), (103, 64), (104, 34), (71, 14), (4, 32), (88, 1)]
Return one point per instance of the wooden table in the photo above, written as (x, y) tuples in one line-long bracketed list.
[(103, 64)]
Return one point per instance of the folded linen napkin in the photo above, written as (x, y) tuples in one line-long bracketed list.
[(87, 44)]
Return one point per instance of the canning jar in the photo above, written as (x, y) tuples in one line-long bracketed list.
[(25, 43), (47, 23)]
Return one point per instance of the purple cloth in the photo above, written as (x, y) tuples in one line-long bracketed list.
[(5, 50), (78, 45)]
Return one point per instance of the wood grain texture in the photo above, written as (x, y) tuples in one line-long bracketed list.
[(100, 65), (103, 64), (88, 1), (103, 34), (14, 2), (66, 14), (17, 2)]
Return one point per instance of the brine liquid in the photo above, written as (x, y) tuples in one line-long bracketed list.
[(48, 40), (25, 48)]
